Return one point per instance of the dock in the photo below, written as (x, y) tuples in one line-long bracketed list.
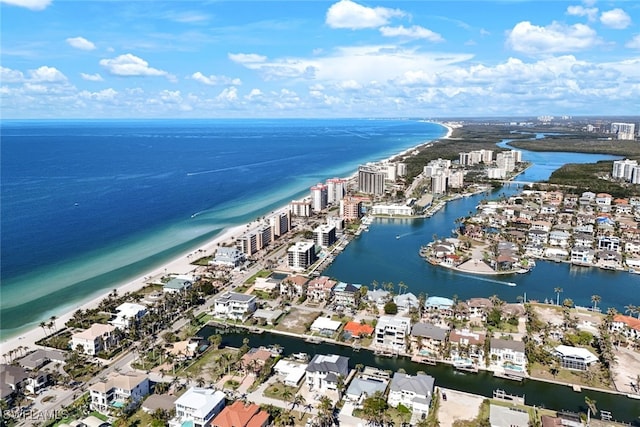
[(502, 395)]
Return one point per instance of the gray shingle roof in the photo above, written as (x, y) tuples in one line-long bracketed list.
[(421, 384), (427, 330), (339, 365)]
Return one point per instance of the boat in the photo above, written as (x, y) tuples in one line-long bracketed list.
[(303, 357), (466, 365), (633, 271)]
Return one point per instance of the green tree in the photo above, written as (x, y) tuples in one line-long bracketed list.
[(391, 308), (591, 408)]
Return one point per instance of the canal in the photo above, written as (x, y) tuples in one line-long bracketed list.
[(537, 393)]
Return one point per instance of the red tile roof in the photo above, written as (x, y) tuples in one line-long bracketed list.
[(358, 329), (239, 415), (631, 322)]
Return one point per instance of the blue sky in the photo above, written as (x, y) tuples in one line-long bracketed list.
[(138, 59)]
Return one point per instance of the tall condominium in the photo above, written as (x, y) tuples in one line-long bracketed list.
[(280, 223), (255, 239), (300, 208), (624, 130), (325, 235), (623, 169), (301, 255), (371, 180), (336, 189), (439, 183), (319, 196), (350, 208), (402, 169)]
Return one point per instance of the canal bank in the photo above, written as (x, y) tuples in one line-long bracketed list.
[(537, 393)]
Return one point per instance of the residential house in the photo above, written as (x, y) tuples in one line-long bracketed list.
[(320, 289), (632, 247), (508, 353), (268, 316), (428, 339), (184, 350), (362, 388), (324, 371), (467, 343), (541, 225), (559, 238), (226, 256), (41, 357), (325, 326), (346, 294), (537, 237), (627, 325), (290, 372), (294, 286), (407, 301), (197, 407), (11, 379), (583, 239), (391, 333), (357, 329), (117, 391), (97, 338), (441, 304), (239, 414), (603, 200), (581, 255), (127, 314), (379, 297), (479, 307), (234, 305), (413, 392), (575, 358), (37, 381), (177, 285)]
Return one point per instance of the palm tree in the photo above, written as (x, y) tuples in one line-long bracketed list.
[(43, 325), (558, 291), (631, 309), (591, 407), (595, 299)]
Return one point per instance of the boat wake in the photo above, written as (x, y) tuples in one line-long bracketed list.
[(485, 279)]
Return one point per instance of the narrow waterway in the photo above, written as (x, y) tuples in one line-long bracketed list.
[(537, 393)]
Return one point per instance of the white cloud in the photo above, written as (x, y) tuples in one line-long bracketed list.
[(555, 38), (29, 4), (91, 77), (634, 43), (349, 85), (103, 95), (616, 19), (214, 80), (247, 58), (348, 14), (413, 32), (590, 12), (254, 94), (229, 94), (47, 74), (130, 65), (7, 75), (80, 43)]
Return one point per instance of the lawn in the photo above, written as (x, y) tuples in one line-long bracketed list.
[(262, 273), (278, 389)]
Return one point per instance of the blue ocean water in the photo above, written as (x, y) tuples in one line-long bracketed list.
[(88, 205)]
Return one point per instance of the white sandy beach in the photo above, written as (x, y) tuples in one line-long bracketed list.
[(179, 265)]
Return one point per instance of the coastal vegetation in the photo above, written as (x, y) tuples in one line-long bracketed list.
[(594, 177)]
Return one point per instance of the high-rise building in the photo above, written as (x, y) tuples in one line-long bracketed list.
[(635, 175), (392, 172), (280, 223), (439, 183), (336, 189), (300, 208), (624, 130), (350, 208), (623, 169), (325, 235), (301, 255), (371, 180), (319, 196), (456, 179), (402, 169)]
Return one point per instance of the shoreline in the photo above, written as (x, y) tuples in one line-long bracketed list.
[(28, 337)]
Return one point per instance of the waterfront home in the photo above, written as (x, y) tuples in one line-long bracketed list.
[(534, 250), (230, 257), (118, 391), (197, 407), (608, 243), (413, 392), (294, 286), (428, 339), (41, 357), (361, 388), (154, 402), (583, 239), (239, 414), (184, 350), (559, 238), (575, 358), (391, 333), (502, 416), (177, 285), (234, 305), (537, 237), (266, 284), (507, 352), (290, 372), (581, 255), (324, 371), (378, 297), (11, 379), (346, 294), (556, 253), (357, 329), (127, 314), (405, 302), (268, 316), (479, 307), (626, 325), (92, 341), (467, 343), (320, 289), (325, 326), (37, 381), (441, 304)]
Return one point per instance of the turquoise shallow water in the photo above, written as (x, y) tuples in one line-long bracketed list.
[(87, 205)]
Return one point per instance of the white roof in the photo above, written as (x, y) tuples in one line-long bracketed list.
[(201, 400), (582, 353), (292, 371), (324, 323), (130, 309)]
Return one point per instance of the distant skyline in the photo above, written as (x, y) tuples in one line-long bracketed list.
[(269, 59)]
